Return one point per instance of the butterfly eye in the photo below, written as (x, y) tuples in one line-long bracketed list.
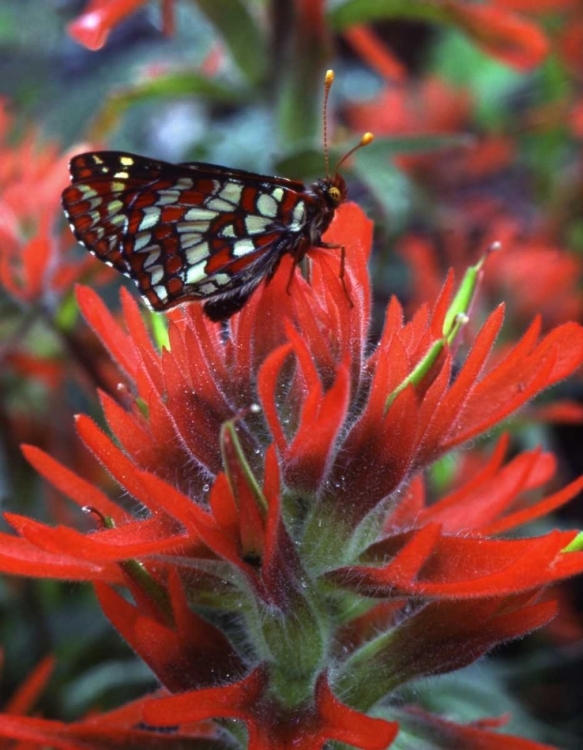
[(335, 194)]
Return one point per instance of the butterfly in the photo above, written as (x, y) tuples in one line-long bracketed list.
[(196, 231)]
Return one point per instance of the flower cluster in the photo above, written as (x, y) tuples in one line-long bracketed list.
[(286, 568), (36, 262)]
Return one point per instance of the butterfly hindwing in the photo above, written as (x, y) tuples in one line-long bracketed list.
[(186, 231)]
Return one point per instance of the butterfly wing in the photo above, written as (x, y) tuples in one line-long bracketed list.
[(185, 231)]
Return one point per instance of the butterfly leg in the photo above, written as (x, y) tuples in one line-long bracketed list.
[(299, 253), (342, 275), (291, 276)]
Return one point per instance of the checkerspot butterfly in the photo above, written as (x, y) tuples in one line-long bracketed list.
[(197, 231)]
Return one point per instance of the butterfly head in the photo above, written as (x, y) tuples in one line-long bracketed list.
[(335, 190), (332, 189)]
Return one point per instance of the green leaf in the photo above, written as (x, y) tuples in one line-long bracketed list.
[(576, 545), (307, 160), (415, 144), (183, 83), (456, 59), (303, 162), (461, 303), (159, 326), (391, 187), (67, 313), (455, 319), (353, 12), (240, 33)]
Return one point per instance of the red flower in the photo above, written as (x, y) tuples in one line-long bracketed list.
[(284, 567), (35, 260), (532, 273), (365, 43), (95, 23), (514, 40)]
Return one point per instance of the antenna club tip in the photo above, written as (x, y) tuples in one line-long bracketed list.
[(329, 77), (366, 139)]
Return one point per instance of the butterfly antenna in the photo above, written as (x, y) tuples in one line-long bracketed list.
[(328, 81), (364, 141)]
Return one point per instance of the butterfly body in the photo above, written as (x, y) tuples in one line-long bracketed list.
[(194, 231)]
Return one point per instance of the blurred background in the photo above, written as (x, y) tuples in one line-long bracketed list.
[(477, 109)]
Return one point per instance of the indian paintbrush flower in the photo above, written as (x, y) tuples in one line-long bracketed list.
[(286, 573)]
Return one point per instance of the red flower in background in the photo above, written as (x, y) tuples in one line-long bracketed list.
[(285, 567), (531, 272), (94, 25), (535, 271), (35, 256), (513, 39), (41, 350)]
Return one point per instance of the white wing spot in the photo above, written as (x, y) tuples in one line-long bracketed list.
[(86, 190), (188, 240), (199, 214), (232, 193), (119, 175), (126, 161), (198, 253), (195, 273), (256, 224), (114, 207), (278, 194), (167, 197), (299, 217), (267, 205), (218, 204), (152, 258), (161, 292), (214, 284), (228, 231), (142, 239), (243, 247), (156, 274), (192, 227), (151, 218)]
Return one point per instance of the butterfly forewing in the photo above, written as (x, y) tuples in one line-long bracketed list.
[(186, 231)]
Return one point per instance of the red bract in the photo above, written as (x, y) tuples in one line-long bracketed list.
[(39, 265), (509, 37), (533, 274), (365, 43), (27, 694), (94, 25), (35, 262), (284, 566)]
